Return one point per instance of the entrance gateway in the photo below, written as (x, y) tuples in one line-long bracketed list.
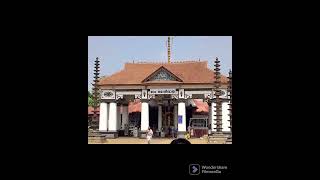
[(168, 97)]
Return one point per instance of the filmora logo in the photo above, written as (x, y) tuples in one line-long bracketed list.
[(194, 169)]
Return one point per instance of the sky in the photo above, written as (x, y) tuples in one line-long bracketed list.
[(115, 51)]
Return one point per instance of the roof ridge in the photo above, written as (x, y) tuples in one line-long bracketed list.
[(164, 62)]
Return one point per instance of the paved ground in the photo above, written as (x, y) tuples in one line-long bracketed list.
[(132, 140)]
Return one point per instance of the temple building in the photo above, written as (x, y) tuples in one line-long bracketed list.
[(168, 97)]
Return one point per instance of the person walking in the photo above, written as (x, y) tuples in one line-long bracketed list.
[(149, 135)]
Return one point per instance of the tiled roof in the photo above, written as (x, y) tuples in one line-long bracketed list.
[(134, 106), (163, 82), (201, 106), (90, 110), (190, 72)]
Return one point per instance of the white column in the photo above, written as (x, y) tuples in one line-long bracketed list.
[(225, 117), (113, 116), (118, 118), (213, 117), (182, 112), (103, 126), (125, 115), (175, 116), (144, 116), (159, 117)]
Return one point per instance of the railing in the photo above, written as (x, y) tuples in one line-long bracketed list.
[(198, 122)]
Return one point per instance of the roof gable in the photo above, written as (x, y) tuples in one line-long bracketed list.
[(162, 74)]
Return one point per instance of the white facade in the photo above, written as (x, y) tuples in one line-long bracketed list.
[(110, 113)]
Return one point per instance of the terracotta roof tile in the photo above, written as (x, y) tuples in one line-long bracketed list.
[(187, 71), (134, 106), (162, 82), (90, 110), (201, 106)]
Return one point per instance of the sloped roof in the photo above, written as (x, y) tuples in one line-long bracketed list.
[(90, 110), (134, 106), (190, 72), (201, 106)]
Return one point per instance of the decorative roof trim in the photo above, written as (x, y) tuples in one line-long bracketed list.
[(158, 70)]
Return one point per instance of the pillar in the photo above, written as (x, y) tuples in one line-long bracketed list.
[(175, 116), (113, 133), (103, 125), (182, 114), (159, 117), (225, 117), (118, 117), (125, 115), (144, 118)]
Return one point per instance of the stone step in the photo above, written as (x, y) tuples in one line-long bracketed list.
[(218, 138), (98, 139)]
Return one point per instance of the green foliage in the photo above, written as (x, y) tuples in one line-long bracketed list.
[(90, 99)]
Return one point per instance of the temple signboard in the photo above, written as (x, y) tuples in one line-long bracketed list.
[(162, 91)]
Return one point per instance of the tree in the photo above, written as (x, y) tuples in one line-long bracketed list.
[(90, 99)]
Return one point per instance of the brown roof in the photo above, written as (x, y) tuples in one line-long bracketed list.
[(134, 106), (163, 82), (189, 72), (90, 110), (201, 106)]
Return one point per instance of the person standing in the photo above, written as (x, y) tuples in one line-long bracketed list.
[(149, 135)]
